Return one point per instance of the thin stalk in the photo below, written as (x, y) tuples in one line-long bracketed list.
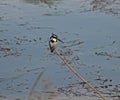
[(78, 75), (35, 84)]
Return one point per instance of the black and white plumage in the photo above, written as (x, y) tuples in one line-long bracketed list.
[(53, 42)]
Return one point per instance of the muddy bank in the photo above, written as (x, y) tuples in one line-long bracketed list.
[(90, 31)]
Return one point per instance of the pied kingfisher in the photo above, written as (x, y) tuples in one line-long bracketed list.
[(53, 42)]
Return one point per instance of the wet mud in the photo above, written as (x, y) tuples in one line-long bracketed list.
[(90, 31)]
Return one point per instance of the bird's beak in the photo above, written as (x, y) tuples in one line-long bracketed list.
[(60, 40)]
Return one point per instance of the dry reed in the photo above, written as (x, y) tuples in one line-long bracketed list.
[(78, 75)]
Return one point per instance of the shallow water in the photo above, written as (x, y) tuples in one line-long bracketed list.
[(92, 45)]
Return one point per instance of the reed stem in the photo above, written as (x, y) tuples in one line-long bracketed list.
[(78, 75)]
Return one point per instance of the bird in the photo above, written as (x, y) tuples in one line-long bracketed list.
[(53, 42)]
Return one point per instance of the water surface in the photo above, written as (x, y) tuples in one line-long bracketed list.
[(92, 46)]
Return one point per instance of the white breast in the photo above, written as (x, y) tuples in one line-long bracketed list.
[(54, 39)]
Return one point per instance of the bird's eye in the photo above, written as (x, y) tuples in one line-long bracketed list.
[(54, 35)]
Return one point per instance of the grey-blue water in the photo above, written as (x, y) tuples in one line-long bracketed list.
[(91, 44)]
